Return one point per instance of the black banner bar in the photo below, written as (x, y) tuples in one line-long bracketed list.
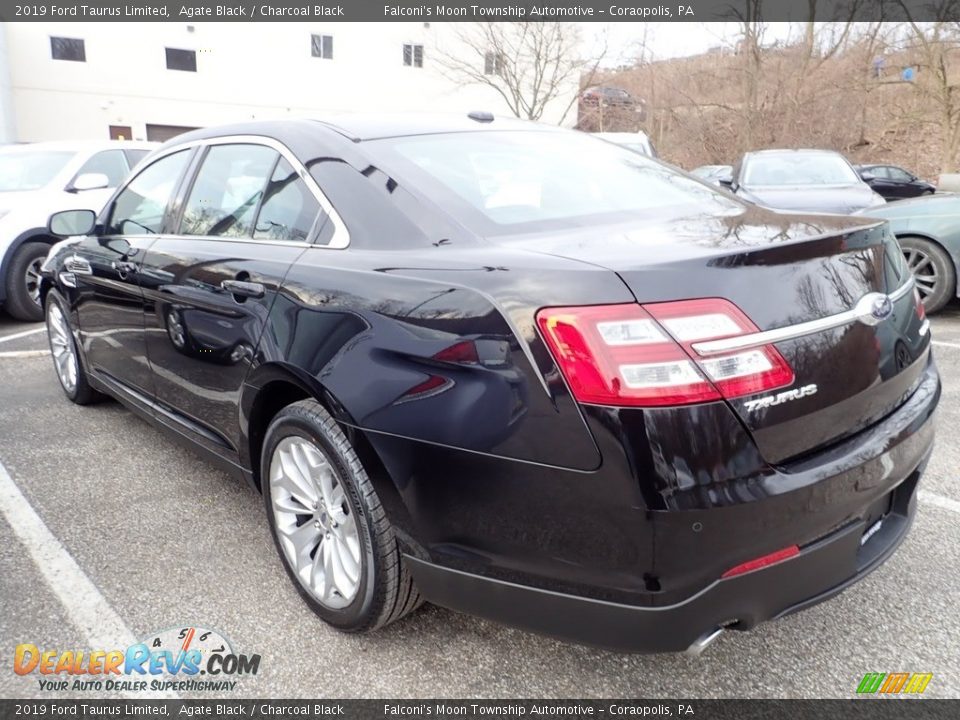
[(480, 10), (858, 709)]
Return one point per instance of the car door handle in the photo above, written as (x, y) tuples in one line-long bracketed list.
[(240, 288)]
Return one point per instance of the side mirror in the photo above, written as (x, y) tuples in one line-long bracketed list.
[(867, 176), (72, 222), (726, 182), (89, 181)]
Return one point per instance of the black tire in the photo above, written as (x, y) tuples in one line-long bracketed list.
[(20, 304), (81, 393), (933, 271), (386, 590)]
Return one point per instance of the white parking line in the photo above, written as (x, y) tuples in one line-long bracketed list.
[(941, 343), (87, 609), (939, 501), (24, 353), (25, 333)]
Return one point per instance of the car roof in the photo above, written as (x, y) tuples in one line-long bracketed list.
[(358, 127), (791, 151), (621, 136), (370, 126), (80, 145)]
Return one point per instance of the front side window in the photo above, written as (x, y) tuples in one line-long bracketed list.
[(413, 55), (64, 48), (110, 163), (321, 46), (185, 60), (30, 170), (140, 207), (798, 169), (226, 193), (288, 209), (899, 175)]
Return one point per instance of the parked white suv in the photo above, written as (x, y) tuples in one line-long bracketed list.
[(37, 180)]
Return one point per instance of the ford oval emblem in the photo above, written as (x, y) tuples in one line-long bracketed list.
[(882, 308), (873, 308)]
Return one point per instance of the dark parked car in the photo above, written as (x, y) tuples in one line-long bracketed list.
[(607, 97), (510, 369), (802, 181), (928, 229), (894, 183)]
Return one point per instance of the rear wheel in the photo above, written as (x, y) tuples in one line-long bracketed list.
[(66, 359), (328, 525), (23, 281), (933, 271)]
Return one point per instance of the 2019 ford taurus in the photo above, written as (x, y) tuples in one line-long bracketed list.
[(510, 369)]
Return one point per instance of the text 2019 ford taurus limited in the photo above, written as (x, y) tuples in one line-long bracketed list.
[(512, 370)]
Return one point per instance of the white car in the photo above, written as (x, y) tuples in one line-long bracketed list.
[(39, 179)]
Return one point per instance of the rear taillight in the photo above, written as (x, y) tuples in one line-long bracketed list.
[(643, 355), (918, 303)]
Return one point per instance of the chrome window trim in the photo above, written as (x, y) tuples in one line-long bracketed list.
[(341, 236), (858, 313)]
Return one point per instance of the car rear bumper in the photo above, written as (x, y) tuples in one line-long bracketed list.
[(821, 570)]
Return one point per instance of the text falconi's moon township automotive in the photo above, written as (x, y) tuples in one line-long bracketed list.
[(535, 11)]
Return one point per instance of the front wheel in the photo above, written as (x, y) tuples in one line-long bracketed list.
[(329, 528), (23, 281), (933, 271), (66, 358)]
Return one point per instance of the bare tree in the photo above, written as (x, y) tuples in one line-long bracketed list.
[(938, 79), (530, 64)]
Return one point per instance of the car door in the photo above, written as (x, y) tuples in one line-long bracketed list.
[(106, 268), (880, 181), (246, 217), (902, 183)]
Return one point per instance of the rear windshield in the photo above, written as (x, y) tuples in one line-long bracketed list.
[(505, 182), (30, 169), (798, 169)]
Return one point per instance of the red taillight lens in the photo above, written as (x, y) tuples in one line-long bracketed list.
[(921, 310), (643, 356)]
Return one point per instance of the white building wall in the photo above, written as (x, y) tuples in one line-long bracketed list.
[(7, 128), (244, 71)]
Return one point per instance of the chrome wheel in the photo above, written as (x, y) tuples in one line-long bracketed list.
[(315, 523), (32, 280), (924, 271), (62, 348)]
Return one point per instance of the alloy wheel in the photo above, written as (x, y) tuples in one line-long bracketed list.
[(32, 280), (315, 522), (924, 271), (62, 347)]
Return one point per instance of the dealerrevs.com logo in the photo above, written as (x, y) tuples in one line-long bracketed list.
[(184, 659)]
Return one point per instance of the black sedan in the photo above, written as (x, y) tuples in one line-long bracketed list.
[(894, 183), (510, 369), (801, 181)]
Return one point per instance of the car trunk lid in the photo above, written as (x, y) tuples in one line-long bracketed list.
[(785, 272)]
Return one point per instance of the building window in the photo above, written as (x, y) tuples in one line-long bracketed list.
[(493, 63), (413, 55), (62, 48), (185, 60), (321, 46)]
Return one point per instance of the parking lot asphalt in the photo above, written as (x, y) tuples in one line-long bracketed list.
[(161, 539)]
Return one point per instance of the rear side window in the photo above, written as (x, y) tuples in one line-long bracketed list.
[(110, 163), (227, 191), (140, 207), (288, 209)]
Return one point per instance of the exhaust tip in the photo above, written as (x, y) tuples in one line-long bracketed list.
[(703, 642)]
